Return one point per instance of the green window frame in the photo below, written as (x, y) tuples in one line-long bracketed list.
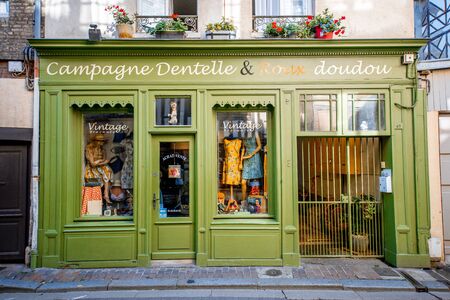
[(169, 95), (317, 118), (271, 205)]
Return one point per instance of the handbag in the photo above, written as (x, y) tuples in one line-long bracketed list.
[(116, 164)]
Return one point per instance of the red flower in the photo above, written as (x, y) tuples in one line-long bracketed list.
[(117, 6), (343, 31), (310, 17), (279, 29), (343, 18), (274, 24), (335, 21), (307, 22), (121, 10), (337, 32), (174, 16)]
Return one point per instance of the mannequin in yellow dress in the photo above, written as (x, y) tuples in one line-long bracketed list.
[(231, 171)]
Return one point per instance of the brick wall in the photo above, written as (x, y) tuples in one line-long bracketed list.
[(16, 29)]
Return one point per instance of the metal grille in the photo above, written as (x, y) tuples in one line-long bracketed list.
[(150, 21), (339, 203), (260, 22), (436, 27)]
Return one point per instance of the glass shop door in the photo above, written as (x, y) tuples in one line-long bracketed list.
[(172, 197)]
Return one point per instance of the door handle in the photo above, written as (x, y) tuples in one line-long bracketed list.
[(154, 200)]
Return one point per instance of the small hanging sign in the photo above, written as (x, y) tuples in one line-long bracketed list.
[(174, 171)]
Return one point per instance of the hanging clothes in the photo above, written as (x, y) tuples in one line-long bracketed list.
[(126, 177), (231, 172)]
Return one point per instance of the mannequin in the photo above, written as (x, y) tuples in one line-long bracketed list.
[(173, 113), (250, 161), (97, 165), (231, 171)]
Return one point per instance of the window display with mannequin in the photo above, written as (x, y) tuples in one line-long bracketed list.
[(108, 165), (242, 162)]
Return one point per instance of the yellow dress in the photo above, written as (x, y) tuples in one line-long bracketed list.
[(231, 172)]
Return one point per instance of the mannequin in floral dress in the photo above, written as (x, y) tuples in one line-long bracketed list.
[(251, 161), (231, 171)]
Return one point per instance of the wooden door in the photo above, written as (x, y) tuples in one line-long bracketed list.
[(13, 202)]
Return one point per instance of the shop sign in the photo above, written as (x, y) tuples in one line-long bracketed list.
[(224, 69)]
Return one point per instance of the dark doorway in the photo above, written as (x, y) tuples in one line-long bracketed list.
[(13, 201)]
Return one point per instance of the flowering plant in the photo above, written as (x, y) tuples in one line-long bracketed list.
[(119, 14), (224, 24), (326, 22), (275, 29), (172, 24)]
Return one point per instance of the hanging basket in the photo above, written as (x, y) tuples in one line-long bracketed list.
[(319, 34)]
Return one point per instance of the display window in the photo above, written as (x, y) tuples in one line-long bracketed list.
[(173, 111), (242, 156), (107, 188)]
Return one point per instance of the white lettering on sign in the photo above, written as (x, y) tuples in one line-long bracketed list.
[(107, 127), (357, 69), (119, 72), (242, 125)]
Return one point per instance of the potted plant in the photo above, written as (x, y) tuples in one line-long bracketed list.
[(171, 29), (223, 30), (363, 213), (124, 24), (324, 25), (283, 30)]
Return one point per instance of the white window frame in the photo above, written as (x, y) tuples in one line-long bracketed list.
[(5, 14), (167, 3)]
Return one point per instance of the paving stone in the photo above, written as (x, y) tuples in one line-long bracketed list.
[(90, 285), (366, 285), (142, 284), (395, 296), (12, 285), (326, 295), (441, 295), (435, 286)]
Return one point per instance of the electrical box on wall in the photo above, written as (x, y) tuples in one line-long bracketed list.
[(386, 181), (408, 58)]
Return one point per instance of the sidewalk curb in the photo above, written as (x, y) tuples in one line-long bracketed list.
[(18, 286), (89, 285), (15, 286)]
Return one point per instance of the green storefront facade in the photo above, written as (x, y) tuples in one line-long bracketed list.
[(232, 153)]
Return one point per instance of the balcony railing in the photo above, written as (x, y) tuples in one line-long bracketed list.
[(259, 22), (150, 21)]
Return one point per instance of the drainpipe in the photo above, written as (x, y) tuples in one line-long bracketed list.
[(32, 255)]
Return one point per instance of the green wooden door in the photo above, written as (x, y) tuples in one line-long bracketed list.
[(173, 198)]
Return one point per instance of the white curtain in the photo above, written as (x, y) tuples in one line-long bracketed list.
[(283, 7), (155, 7)]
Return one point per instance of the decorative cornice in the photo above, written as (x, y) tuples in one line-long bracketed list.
[(91, 102), (257, 47), (244, 103)]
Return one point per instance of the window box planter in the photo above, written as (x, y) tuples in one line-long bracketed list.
[(170, 35), (319, 34), (220, 35)]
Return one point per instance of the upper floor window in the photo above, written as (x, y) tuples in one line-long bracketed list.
[(4, 8), (167, 7), (282, 7)]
